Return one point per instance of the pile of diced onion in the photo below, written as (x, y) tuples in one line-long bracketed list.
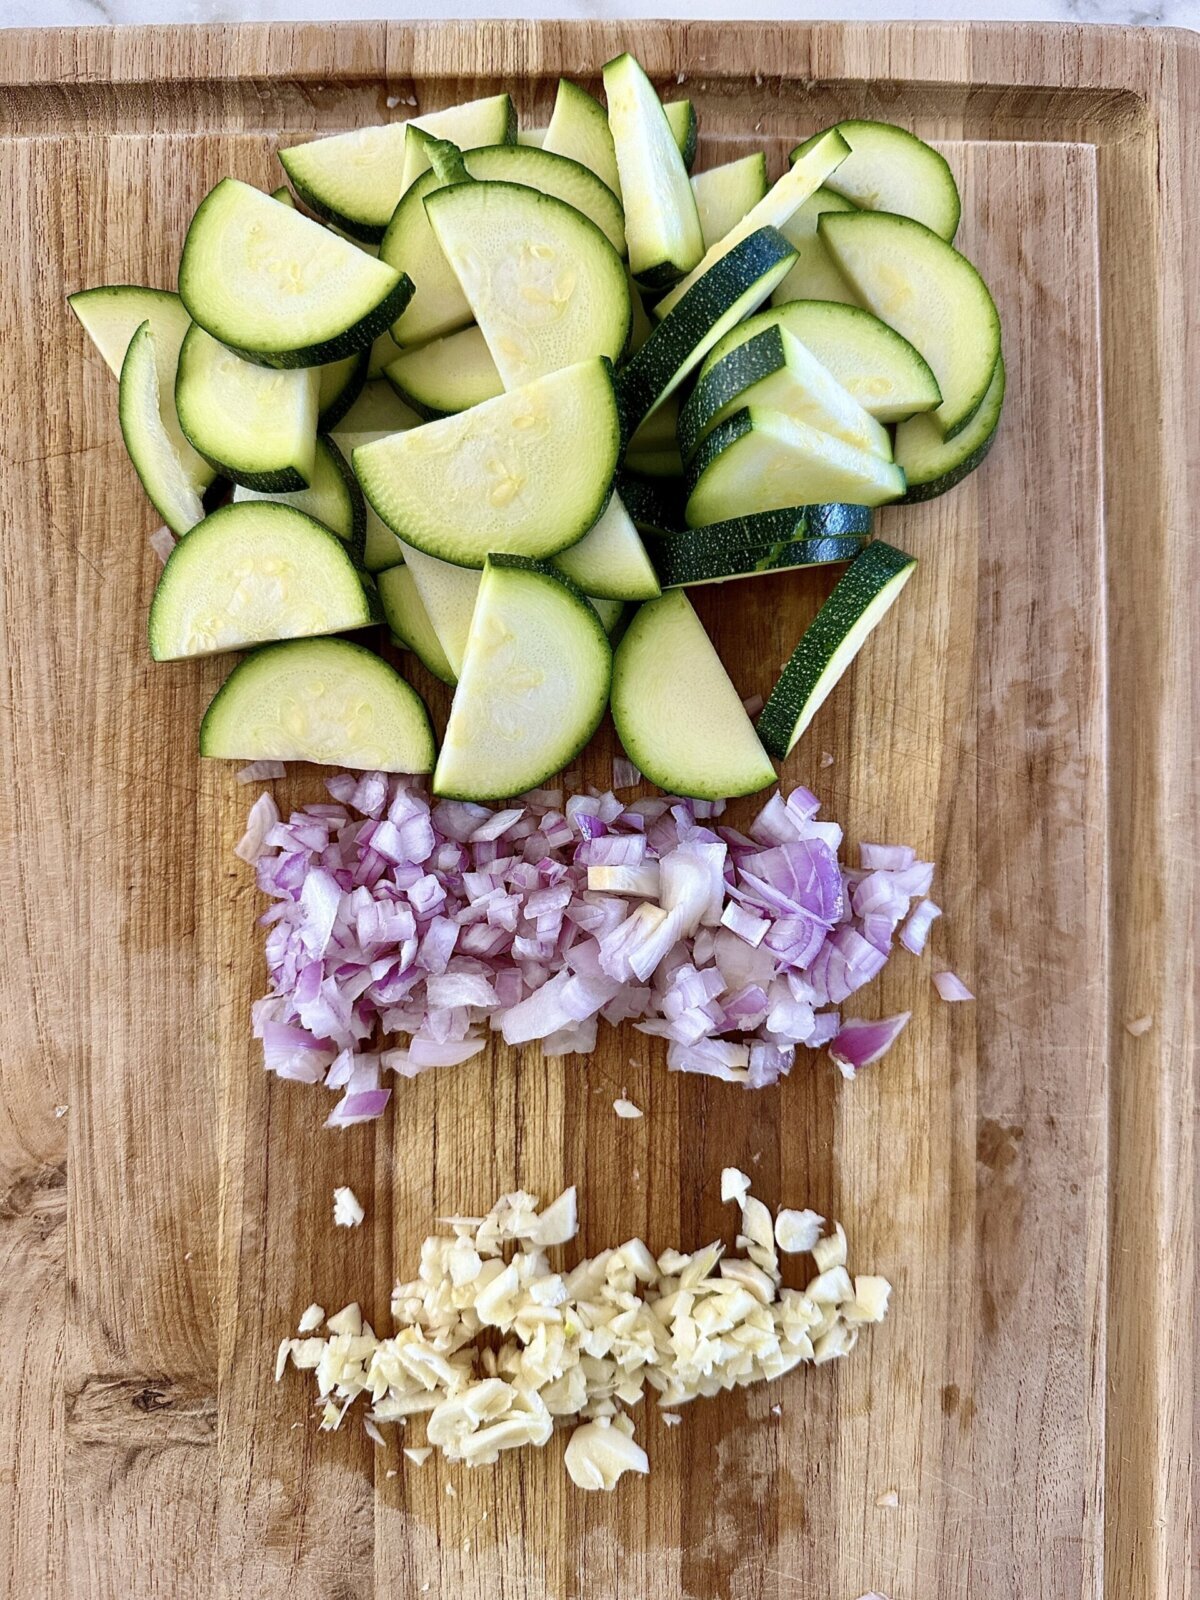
[(495, 1347), (442, 921)]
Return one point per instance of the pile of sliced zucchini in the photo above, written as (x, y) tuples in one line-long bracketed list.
[(491, 386)]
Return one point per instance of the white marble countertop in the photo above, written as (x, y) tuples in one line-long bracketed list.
[(63, 13)]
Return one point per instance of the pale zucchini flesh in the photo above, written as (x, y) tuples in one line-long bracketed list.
[(151, 447), (890, 169), (376, 414), (932, 464), (610, 561), (408, 622), (555, 175), (339, 385), (438, 305), (322, 700), (545, 286), (921, 286), (871, 361), (780, 203), (333, 497), (250, 573), (478, 122), (351, 179), (677, 714), (662, 224), (533, 687), (685, 128), (448, 594), (579, 129), (257, 425), (814, 277), (446, 375), (277, 286), (110, 316), (508, 476), (763, 460), (725, 194)]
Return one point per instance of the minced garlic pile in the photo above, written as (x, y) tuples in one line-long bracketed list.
[(578, 1345)]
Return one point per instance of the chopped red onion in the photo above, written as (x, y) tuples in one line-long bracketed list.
[(162, 542), (260, 771), (951, 987), (753, 704), (860, 1043), (625, 774), (447, 921), (915, 931)]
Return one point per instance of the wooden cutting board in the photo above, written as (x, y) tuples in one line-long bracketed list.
[(1023, 1169)]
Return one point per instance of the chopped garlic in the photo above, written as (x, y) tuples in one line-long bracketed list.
[(888, 1500), (312, 1318), (671, 1419), (418, 1454), (599, 1453), (626, 1109), (347, 1320), (373, 1433), (735, 1185), (1137, 1027), (347, 1211), (797, 1231), (831, 1251)]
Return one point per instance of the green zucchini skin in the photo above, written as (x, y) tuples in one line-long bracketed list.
[(678, 343), (948, 461), (653, 503), (790, 706), (343, 395), (685, 125), (680, 568), (722, 436), (758, 358)]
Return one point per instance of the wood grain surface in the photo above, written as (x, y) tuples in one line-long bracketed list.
[(1023, 1169)]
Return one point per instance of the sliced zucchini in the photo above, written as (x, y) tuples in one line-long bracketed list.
[(831, 642), (339, 386), (333, 497), (762, 460), (409, 624), (151, 448), (535, 138), (579, 129), (678, 716), (378, 409), (685, 128), (686, 562), (662, 224), (257, 425), (323, 700), (654, 449), (555, 175), (725, 194), (610, 612), (734, 286), (438, 305), (779, 203), (250, 573), (478, 122), (111, 316), (641, 327), (448, 594), (775, 370), (871, 361), (546, 287), (610, 561), (663, 461), (447, 375), (527, 473), (890, 169), (920, 285), (932, 464), (279, 288), (654, 506), (533, 685), (351, 179), (814, 277), (383, 351)]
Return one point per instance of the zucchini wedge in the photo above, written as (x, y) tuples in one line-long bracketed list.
[(545, 286), (932, 464), (438, 305), (110, 317), (679, 718), (448, 594), (836, 634), (151, 447), (257, 425), (685, 128), (535, 138), (655, 507), (610, 613), (871, 361), (533, 686), (250, 573), (689, 560), (333, 497), (779, 203), (408, 622), (890, 169), (814, 277), (610, 561), (446, 375), (920, 285), (774, 369), (725, 194), (353, 180), (376, 414), (279, 288), (525, 474), (555, 175), (323, 700), (579, 130), (762, 460), (477, 122), (339, 386), (733, 287), (662, 224)]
